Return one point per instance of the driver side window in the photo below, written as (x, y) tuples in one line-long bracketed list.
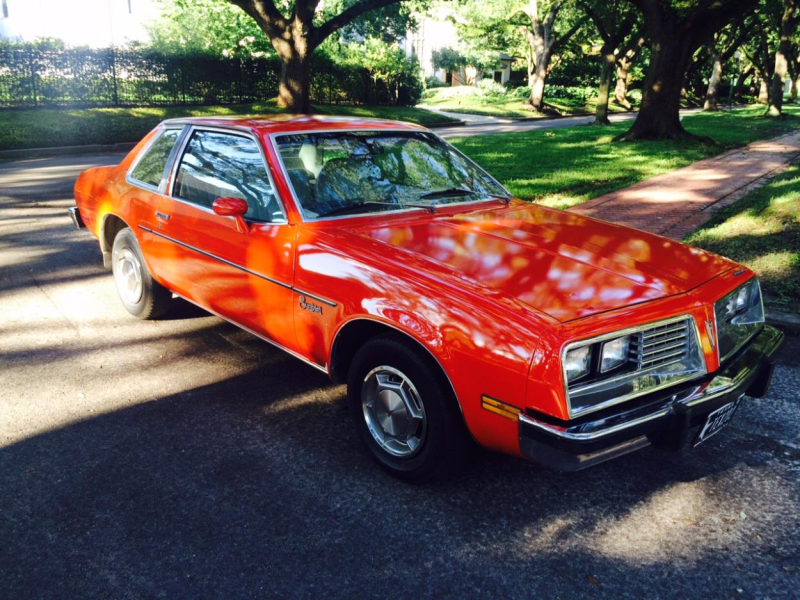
[(222, 165)]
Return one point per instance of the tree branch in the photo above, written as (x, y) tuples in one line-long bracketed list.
[(348, 16), (265, 14), (565, 38)]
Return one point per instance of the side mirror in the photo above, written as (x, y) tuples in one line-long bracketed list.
[(232, 207)]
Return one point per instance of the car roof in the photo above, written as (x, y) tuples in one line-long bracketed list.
[(283, 123)]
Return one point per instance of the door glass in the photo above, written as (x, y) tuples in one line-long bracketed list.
[(221, 165), (150, 168)]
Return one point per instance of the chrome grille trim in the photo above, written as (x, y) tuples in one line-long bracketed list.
[(654, 348)]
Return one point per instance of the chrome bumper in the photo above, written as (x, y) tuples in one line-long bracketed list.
[(666, 419), (75, 215)]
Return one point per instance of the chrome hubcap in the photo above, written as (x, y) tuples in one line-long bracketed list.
[(393, 411), (129, 276)]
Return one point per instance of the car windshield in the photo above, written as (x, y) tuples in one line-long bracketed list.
[(357, 172)]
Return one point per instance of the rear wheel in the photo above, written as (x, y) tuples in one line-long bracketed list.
[(405, 411), (141, 295)]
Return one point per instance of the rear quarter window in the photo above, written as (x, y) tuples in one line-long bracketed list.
[(151, 166)]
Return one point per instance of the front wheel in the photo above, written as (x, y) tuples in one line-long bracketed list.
[(405, 411), (141, 295)]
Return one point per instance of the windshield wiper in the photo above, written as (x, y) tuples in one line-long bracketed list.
[(458, 191), (351, 207), (454, 191)]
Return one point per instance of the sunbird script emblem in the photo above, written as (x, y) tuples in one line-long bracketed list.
[(306, 305)]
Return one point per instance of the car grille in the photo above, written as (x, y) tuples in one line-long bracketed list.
[(661, 345)]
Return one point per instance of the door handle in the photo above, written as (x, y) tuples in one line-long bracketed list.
[(162, 216)]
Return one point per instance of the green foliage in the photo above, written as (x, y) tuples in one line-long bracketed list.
[(432, 83), (448, 59), (214, 27), (387, 63), (762, 230), (490, 98), (220, 28)]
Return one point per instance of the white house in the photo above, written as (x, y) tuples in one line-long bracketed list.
[(95, 23), (437, 31)]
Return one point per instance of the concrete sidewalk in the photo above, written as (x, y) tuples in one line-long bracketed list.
[(676, 203)]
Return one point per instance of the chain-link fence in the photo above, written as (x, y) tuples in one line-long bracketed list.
[(75, 77)]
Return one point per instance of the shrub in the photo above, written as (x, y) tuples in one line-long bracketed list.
[(490, 89)]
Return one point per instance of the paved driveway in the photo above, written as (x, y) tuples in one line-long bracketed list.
[(185, 458)]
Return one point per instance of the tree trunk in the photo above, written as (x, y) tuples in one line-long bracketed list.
[(607, 72), (742, 82), (659, 114), (621, 89), (537, 85), (793, 91), (763, 91), (781, 64), (294, 88), (712, 95)]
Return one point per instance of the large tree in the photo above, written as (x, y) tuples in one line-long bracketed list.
[(615, 21), (626, 56), (676, 29), (724, 45), (297, 28), (789, 18), (547, 30)]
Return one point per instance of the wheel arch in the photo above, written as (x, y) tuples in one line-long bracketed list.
[(111, 225), (353, 333)]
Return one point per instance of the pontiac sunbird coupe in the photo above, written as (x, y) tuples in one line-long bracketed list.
[(382, 256)]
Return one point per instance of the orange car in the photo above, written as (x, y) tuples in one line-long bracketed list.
[(379, 254)]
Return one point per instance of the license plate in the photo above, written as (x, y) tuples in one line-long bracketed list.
[(716, 420)]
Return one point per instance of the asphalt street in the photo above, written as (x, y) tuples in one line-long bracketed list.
[(186, 458)]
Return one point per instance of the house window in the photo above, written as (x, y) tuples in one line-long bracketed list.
[(3, 9)]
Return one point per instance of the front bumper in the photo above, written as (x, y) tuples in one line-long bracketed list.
[(77, 219), (666, 419)]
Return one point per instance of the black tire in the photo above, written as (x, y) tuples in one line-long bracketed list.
[(153, 299), (446, 442)]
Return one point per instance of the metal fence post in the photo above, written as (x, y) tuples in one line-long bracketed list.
[(114, 74), (33, 78)]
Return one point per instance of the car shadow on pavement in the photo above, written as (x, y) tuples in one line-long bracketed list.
[(257, 485)]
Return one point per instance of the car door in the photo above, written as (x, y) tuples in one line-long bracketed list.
[(244, 274), (146, 181)]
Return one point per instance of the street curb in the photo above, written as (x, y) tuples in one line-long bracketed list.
[(443, 124), (786, 322), (66, 150)]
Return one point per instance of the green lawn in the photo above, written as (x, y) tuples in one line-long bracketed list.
[(564, 167), (762, 230), (466, 100), (42, 128)]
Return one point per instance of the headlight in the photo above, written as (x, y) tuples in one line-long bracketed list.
[(615, 367), (614, 354), (576, 364), (739, 316)]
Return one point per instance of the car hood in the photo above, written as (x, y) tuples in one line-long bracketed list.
[(560, 263)]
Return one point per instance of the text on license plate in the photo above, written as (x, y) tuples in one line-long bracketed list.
[(716, 420)]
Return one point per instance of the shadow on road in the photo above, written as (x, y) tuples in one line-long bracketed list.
[(257, 485)]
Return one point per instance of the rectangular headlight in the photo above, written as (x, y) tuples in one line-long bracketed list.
[(577, 363), (614, 354), (739, 315)]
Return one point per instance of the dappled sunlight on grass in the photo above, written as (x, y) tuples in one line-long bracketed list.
[(762, 230), (564, 167)]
